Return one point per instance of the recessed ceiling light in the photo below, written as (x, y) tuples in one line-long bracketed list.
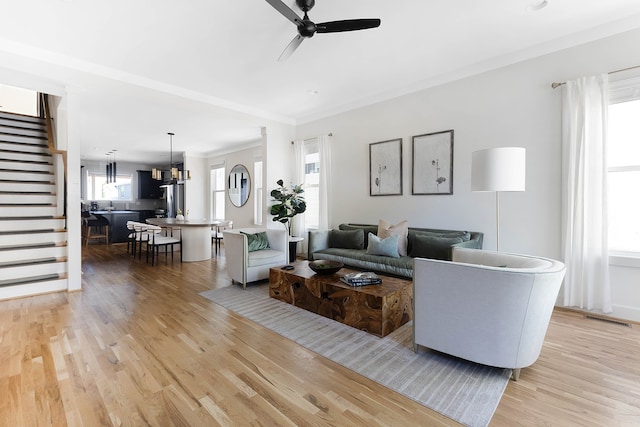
[(538, 5), (312, 92)]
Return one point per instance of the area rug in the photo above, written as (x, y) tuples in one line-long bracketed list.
[(463, 391)]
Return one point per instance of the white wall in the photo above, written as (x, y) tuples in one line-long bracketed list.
[(510, 106), (278, 164), (196, 187)]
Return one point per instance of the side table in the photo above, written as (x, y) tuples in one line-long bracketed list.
[(293, 247)]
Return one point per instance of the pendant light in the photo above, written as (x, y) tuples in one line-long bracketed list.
[(175, 173), (110, 171)]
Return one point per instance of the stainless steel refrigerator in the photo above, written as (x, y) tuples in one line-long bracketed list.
[(174, 199)]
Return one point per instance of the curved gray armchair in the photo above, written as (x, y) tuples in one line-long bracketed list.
[(487, 307)]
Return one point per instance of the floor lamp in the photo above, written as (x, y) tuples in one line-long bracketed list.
[(498, 169)]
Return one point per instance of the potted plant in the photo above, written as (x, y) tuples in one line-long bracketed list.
[(289, 203)]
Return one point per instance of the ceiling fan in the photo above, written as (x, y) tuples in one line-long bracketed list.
[(307, 28)]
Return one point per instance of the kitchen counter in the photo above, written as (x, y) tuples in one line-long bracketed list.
[(106, 212)]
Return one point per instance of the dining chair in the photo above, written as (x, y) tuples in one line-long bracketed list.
[(217, 233), (163, 237)]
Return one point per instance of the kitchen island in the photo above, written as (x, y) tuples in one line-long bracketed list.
[(118, 223)]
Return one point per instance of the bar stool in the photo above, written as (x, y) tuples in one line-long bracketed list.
[(95, 228)]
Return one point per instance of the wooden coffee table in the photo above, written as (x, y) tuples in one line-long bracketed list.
[(377, 309)]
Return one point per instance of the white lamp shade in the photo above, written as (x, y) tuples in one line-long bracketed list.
[(498, 169)]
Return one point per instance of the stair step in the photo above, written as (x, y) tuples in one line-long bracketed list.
[(26, 176), (22, 224), (22, 140), (29, 187), (32, 267), (31, 172), (37, 261), (7, 137), (25, 181), (27, 211), (12, 154), (10, 237), (11, 198), (27, 162), (32, 231), (4, 121), (26, 166), (22, 246), (32, 279), (25, 204), (21, 117), (18, 255), (21, 131), (23, 147)]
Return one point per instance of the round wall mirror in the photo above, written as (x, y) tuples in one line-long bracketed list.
[(239, 185)]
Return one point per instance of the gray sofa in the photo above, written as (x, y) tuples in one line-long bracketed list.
[(349, 245)]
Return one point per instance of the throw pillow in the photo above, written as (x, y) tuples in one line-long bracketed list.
[(364, 227), (346, 239), (401, 229), (385, 247), (425, 246), (257, 241)]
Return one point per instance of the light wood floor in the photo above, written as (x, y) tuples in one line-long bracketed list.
[(139, 346)]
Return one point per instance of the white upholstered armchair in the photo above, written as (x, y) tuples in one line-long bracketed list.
[(487, 307), (244, 266)]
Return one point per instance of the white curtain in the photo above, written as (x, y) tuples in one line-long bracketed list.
[(584, 174), (324, 148), (297, 226)]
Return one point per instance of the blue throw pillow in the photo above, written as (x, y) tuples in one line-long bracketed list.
[(385, 247), (257, 242)]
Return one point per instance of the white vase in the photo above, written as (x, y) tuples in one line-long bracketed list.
[(180, 217)]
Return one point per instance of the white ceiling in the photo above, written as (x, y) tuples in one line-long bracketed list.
[(207, 70)]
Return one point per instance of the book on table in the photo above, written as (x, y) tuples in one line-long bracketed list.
[(361, 279)]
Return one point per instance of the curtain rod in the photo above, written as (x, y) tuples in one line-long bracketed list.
[(309, 139), (556, 84)]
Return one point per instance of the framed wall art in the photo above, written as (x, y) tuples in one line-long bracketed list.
[(385, 168), (432, 167)]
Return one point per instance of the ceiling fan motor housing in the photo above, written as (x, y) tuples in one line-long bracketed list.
[(305, 5), (308, 28)]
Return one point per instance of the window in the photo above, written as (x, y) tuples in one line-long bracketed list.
[(624, 167), (217, 192), (257, 200), (311, 184), (99, 189)]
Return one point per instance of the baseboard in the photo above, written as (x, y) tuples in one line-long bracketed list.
[(631, 314), (619, 315)]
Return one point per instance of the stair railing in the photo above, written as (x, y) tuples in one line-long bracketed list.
[(45, 112)]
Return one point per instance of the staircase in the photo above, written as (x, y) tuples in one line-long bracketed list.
[(33, 235)]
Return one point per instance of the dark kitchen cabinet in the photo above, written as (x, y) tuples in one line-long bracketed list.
[(148, 188)]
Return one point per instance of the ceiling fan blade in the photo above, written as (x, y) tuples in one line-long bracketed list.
[(285, 11), (291, 47), (347, 25)]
